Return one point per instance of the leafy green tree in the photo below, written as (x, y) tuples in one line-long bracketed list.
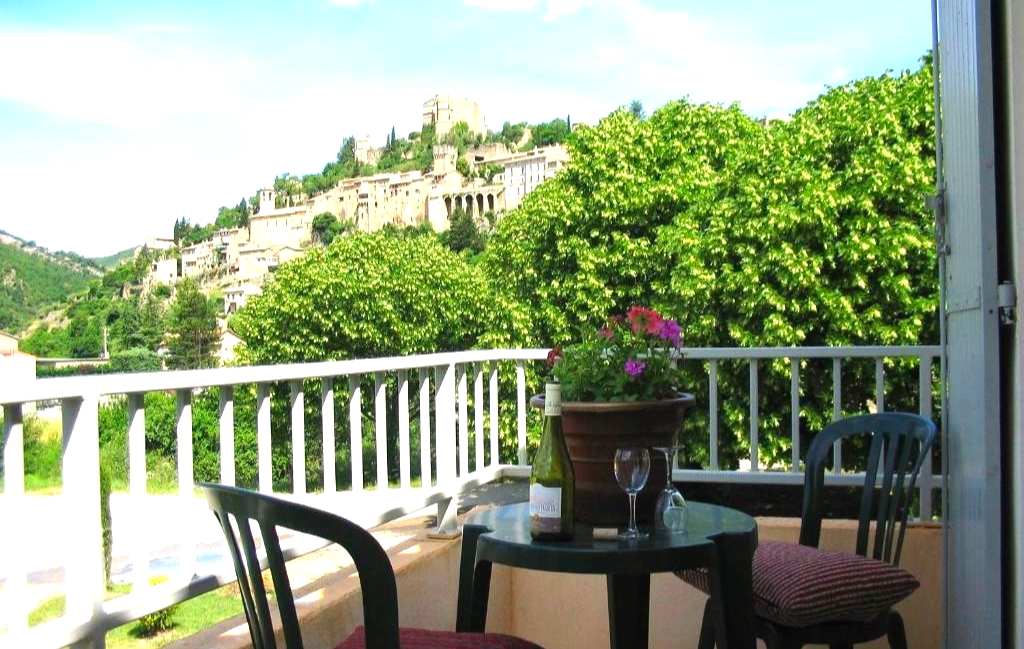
[(636, 109), (463, 233), (326, 227), (192, 329), (373, 295), (810, 232)]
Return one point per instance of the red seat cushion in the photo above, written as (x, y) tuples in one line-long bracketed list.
[(424, 639), (798, 586)]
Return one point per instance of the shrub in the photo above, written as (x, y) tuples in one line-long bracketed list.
[(159, 621)]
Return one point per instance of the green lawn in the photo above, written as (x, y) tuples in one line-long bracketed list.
[(189, 617)]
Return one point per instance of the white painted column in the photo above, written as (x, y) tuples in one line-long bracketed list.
[(355, 427), (227, 434), (81, 469), (327, 423), (14, 613), (403, 429), (425, 469), (478, 415), (298, 417), (186, 484), (263, 439), (380, 428), (137, 486)]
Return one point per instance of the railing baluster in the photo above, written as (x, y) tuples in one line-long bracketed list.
[(925, 479), (327, 427), (794, 407), (463, 422), (880, 384), (520, 413), (754, 416), (493, 404), (186, 483), (227, 434), (837, 412), (444, 402), (265, 477), (425, 478), (380, 428), (16, 585), (404, 479), (478, 415), (81, 494), (713, 411), (137, 485), (355, 428), (298, 417)]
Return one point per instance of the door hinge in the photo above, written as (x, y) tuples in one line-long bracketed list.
[(1007, 300), (937, 203)]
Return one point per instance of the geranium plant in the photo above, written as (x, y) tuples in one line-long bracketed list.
[(629, 359)]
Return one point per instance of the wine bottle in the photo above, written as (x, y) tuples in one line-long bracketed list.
[(552, 483)]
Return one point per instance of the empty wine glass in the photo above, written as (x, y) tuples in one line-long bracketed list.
[(632, 466), (670, 508)]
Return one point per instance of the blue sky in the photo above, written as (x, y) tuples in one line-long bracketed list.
[(118, 117)]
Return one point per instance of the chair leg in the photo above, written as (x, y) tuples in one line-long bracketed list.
[(707, 629), (897, 634)]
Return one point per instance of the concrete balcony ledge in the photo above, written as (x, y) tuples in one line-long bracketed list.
[(535, 605)]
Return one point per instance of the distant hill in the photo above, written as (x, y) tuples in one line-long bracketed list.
[(33, 279), (110, 261)]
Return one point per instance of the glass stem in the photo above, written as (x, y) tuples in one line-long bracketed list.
[(670, 462), (632, 511)]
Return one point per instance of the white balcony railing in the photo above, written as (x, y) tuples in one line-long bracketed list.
[(456, 452)]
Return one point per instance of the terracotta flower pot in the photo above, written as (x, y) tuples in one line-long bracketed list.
[(594, 430)]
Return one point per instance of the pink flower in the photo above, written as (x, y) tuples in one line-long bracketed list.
[(606, 333), (635, 368)]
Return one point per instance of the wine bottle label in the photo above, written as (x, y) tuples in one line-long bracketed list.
[(553, 400), (545, 508)]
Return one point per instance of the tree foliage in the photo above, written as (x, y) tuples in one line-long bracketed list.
[(811, 232), (371, 295), (192, 329)]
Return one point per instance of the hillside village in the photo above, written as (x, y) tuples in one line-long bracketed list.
[(236, 260)]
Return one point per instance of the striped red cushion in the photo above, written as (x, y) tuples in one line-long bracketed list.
[(424, 639), (796, 585)]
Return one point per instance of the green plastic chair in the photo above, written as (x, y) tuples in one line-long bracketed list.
[(236, 508), (899, 443)]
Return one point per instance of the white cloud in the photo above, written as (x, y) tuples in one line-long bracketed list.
[(555, 8), (130, 80)]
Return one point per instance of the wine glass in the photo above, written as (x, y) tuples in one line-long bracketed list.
[(670, 508), (632, 466)]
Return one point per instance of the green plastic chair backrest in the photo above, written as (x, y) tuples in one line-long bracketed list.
[(899, 443), (236, 508)]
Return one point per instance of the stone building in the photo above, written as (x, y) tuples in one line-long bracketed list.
[(365, 153), (444, 112), (526, 170)]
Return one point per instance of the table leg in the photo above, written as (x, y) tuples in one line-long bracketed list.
[(467, 568), (732, 591), (629, 610)]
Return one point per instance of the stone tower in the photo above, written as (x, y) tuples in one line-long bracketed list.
[(444, 159), (267, 198)]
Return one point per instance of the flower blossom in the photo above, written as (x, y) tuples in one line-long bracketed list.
[(554, 356), (635, 368), (606, 333), (644, 319), (669, 330)]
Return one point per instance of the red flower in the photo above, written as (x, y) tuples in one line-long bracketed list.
[(554, 356), (644, 319)]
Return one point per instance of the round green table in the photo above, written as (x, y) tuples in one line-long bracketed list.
[(719, 538)]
